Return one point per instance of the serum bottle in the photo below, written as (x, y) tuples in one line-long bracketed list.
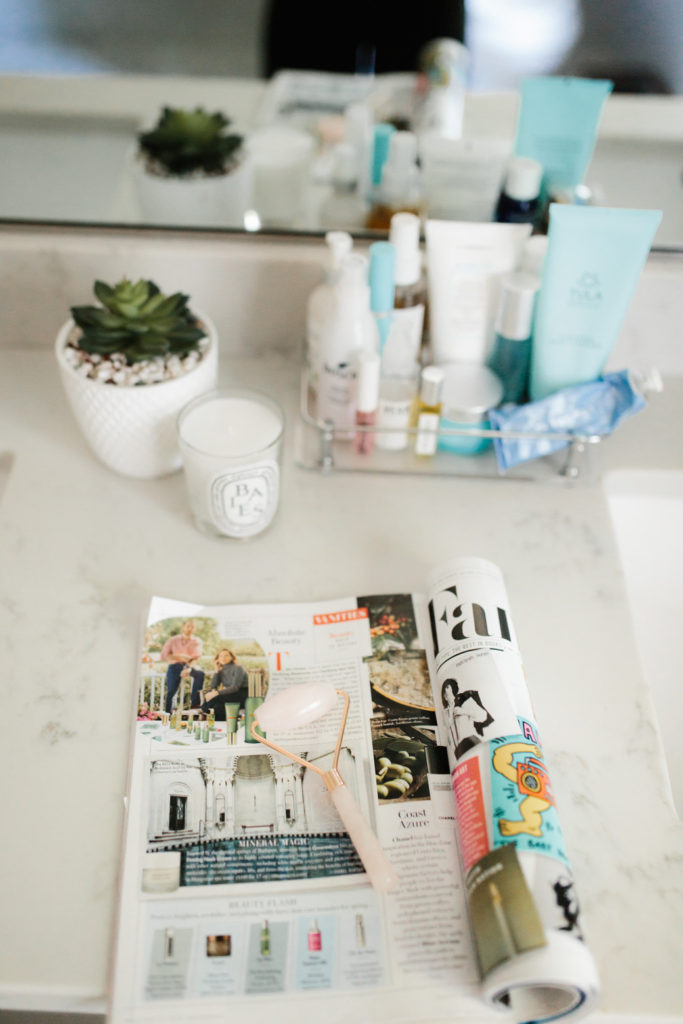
[(265, 939), (428, 411), (511, 353)]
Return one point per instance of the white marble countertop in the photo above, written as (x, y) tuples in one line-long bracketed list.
[(82, 551)]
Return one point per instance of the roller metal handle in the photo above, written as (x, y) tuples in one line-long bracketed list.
[(378, 868)]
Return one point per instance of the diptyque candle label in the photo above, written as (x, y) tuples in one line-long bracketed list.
[(244, 501)]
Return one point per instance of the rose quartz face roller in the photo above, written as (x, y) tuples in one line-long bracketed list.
[(300, 705)]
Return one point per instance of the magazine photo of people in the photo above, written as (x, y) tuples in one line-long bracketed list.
[(193, 674)]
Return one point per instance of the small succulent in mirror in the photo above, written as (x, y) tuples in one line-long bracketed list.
[(190, 142), (137, 335)]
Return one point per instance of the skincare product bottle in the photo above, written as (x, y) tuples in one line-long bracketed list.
[(428, 410), (465, 263), (315, 939), (318, 310), (463, 177), (169, 943), (401, 187), (404, 344), (212, 719), (265, 939), (367, 399), (395, 409), (206, 732), (360, 931), (380, 151), (349, 328), (595, 256), (512, 346), (382, 270), (519, 198), (558, 124), (344, 207), (470, 390)]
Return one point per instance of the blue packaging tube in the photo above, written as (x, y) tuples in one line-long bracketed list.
[(558, 125), (594, 408)]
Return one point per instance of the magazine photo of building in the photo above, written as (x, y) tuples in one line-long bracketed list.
[(240, 816)]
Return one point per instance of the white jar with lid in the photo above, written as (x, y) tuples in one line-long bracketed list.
[(469, 391)]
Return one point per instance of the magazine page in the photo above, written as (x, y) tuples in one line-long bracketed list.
[(239, 882), (521, 896)]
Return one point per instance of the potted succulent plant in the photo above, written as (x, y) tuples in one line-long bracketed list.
[(128, 365), (190, 171)]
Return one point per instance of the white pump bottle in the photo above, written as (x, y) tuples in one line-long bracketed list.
[(348, 329)]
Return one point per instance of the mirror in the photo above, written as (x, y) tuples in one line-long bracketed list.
[(68, 136)]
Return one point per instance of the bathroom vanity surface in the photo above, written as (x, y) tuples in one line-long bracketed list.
[(82, 550)]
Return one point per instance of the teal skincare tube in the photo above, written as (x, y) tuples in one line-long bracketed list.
[(595, 256), (558, 124)]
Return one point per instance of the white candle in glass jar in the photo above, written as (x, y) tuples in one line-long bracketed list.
[(231, 443)]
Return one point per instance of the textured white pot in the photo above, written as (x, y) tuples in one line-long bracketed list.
[(131, 429), (216, 201)]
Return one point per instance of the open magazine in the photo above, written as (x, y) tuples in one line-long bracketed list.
[(241, 893)]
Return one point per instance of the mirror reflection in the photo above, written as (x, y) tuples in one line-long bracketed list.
[(333, 118)]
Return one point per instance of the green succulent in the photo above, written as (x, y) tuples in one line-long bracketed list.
[(184, 141), (137, 321)]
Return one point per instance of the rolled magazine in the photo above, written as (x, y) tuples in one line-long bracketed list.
[(521, 898)]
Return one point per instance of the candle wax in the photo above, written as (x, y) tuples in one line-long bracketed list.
[(231, 427)]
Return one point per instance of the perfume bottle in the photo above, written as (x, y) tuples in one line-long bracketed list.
[(360, 931), (169, 943), (367, 398), (315, 939), (428, 411), (265, 939), (172, 720), (212, 719)]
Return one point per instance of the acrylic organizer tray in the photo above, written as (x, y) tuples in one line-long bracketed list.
[(319, 446)]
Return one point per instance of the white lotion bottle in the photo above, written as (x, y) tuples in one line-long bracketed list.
[(339, 245), (348, 328)]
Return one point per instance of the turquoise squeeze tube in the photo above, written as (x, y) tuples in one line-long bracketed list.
[(558, 124), (595, 256)]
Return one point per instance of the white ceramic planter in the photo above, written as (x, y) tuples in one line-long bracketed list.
[(217, 201), (131, 429)]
